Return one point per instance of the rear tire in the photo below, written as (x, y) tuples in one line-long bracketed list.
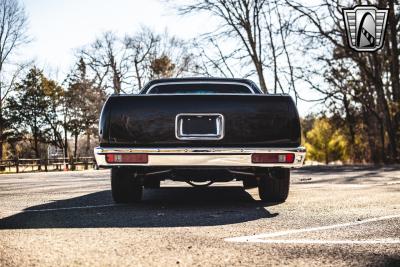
[(274, 186), (124, 187)]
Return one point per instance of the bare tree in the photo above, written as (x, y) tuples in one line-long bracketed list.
[(363, 84), (140, 46), (254, 39), (125, 64), (107, 58), (154, 55), (241, 20), (212, 60), (13, 27), (171, 57)]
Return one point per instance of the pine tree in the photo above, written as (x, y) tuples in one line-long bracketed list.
[(84, 101), (32, 111)]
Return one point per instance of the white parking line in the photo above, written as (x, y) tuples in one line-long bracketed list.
[(263, 238), (327, 242)]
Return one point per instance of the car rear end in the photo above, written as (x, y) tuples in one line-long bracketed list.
[(200, 137)]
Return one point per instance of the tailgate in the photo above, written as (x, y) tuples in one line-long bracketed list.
[(200, 121)]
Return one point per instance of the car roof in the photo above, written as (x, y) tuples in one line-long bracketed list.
[(200, 79)]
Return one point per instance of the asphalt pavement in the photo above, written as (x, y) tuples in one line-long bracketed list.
[(334, 216)]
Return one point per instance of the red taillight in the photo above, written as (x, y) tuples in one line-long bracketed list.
[(127, 158), (272, 158)]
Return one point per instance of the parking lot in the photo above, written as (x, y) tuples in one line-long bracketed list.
[(337, 216)]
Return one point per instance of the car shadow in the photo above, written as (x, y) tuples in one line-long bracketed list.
[(164, 207)]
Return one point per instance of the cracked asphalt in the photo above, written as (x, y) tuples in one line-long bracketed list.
[(334, 216)]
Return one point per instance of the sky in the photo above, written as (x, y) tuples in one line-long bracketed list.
[(59, 27)]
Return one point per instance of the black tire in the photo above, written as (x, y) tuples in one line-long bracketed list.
[(151, 183), (124, 187), (274, 186)]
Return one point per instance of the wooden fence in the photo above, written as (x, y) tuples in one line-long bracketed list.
[(30, 165)]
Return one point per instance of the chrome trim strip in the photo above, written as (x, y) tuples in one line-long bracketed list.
[(220, 121), (243, 173), (158, 172), (228, 157), (202, 150), (199, 82)]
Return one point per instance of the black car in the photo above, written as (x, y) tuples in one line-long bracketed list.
[(200, 130)]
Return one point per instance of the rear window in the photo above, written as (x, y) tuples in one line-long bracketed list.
[(200, 88)]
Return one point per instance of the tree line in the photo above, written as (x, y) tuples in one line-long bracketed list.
[(285, 46), (41, 112), (362, 91)]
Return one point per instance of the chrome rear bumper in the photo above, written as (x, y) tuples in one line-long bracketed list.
[(229, 157)]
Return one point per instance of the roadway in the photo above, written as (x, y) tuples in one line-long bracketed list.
[(338, 216)]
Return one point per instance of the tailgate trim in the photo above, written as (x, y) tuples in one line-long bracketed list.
[(201, 156)]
